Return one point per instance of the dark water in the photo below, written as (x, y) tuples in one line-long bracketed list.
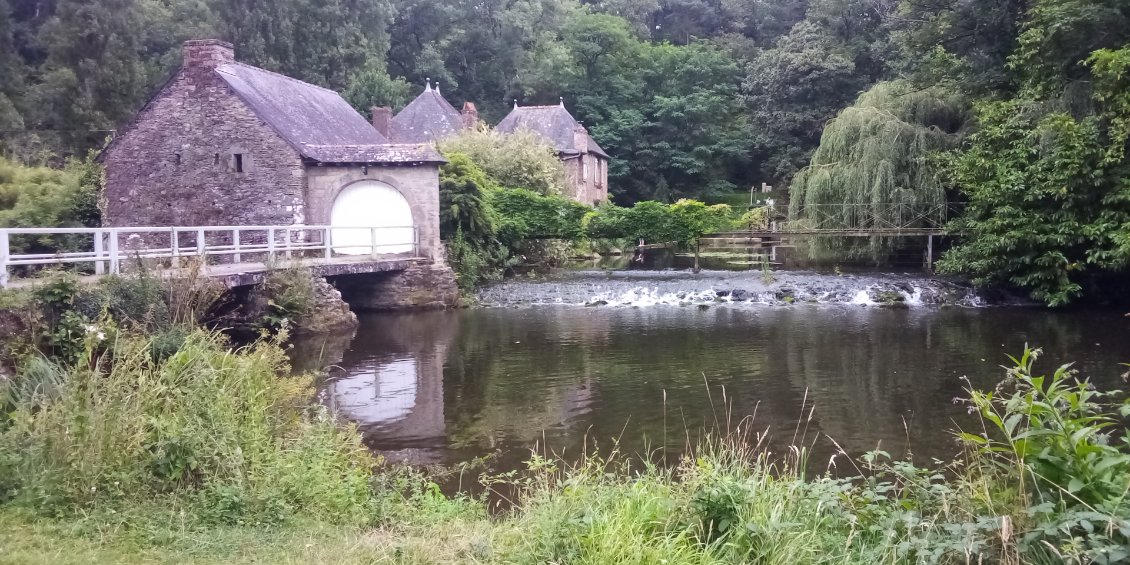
[(445, 387)]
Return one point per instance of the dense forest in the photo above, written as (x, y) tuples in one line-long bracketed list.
[(1018, 108)]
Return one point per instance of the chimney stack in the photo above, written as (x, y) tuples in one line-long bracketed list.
[(207, 54), (470, 115), (581, 138), (382, 119)]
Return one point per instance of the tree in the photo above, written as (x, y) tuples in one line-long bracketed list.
[(324, 42), (1049, 193), (874, 166), (792, 90)]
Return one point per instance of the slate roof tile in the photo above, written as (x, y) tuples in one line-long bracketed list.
[(427, 118), (317, 121), (553, 123)]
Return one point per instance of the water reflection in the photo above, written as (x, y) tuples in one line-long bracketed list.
[(448, 386)]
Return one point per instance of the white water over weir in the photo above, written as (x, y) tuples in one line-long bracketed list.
[(677, 288)]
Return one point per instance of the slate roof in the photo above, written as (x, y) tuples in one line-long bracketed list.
[(554, 123), (427, 118), (316, 121)]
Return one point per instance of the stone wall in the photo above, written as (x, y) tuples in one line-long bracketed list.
[(594, 188), (418, 184), (175, 165), (423, 286)]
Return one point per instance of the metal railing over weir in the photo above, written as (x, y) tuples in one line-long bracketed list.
[(883, 219), (107, 249)]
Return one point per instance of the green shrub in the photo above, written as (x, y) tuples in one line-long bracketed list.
[(44, 197), (224, 428), (1063, 444), (655, 222), (289, 296), (518, 160)]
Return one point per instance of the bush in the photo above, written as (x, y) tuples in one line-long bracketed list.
[(288, 295), (44, 197), (225, 430), (518, 160), (681, 222), (525, 214)]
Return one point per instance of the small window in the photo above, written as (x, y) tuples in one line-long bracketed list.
[(584, 169), (216, 159), (177, 158), (237, 162)]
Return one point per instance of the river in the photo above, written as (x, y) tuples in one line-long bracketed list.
[(652, 359)]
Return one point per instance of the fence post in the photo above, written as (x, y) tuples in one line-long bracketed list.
[(235, 242), (99, 251), (270, 245), (115, 261), (327, 240), (4, 252), (373, 242), (286, 233), (200, 244), (174, 245)]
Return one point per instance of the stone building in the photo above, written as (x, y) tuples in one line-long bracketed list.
[(426, 119), (225, 143), (430, 118), (586, 164)]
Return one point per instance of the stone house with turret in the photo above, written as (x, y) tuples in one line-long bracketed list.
[(586, 164), (226, 143), (430, 118)]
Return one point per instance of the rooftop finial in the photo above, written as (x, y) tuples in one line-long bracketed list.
[(427, 83), (515, 102), (562, 98), (437, 87)]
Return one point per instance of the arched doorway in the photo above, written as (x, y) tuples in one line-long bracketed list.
[(368, 204)]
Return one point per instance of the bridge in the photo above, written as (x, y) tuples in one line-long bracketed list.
[(237, 255), (885, 220)]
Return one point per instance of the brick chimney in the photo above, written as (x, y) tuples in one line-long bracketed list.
[(382, 119), (470, 115), (207, 53)]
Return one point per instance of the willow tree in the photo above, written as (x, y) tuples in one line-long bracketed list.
[(874, 167)]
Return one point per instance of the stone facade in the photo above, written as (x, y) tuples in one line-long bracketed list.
[(586, 164), (418, 185), (175, 164), (423, 286), (223, 143), (587, 175)]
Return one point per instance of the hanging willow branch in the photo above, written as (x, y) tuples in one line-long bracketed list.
[(873, 166)]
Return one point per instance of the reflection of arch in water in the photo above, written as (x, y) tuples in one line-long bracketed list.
[(380, 393)]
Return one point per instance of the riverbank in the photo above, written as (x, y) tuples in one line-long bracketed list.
[(145, 439), (208, 455)]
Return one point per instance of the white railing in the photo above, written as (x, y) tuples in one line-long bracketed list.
[(109, 247)]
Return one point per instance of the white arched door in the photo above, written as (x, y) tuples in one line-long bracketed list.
[(371, 204)]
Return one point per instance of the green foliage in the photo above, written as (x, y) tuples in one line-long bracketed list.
[(525, 214), (289, 295), (521, 160), (1049, 198), (44, 197), (325, 42), (681, 222), (218, 428), (464, 205), (372, 86), (873, 165), (1062, 439), (792, 90)]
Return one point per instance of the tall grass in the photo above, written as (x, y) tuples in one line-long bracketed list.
[(226, 429)]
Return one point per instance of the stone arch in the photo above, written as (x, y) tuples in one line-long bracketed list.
[(367, 203)]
